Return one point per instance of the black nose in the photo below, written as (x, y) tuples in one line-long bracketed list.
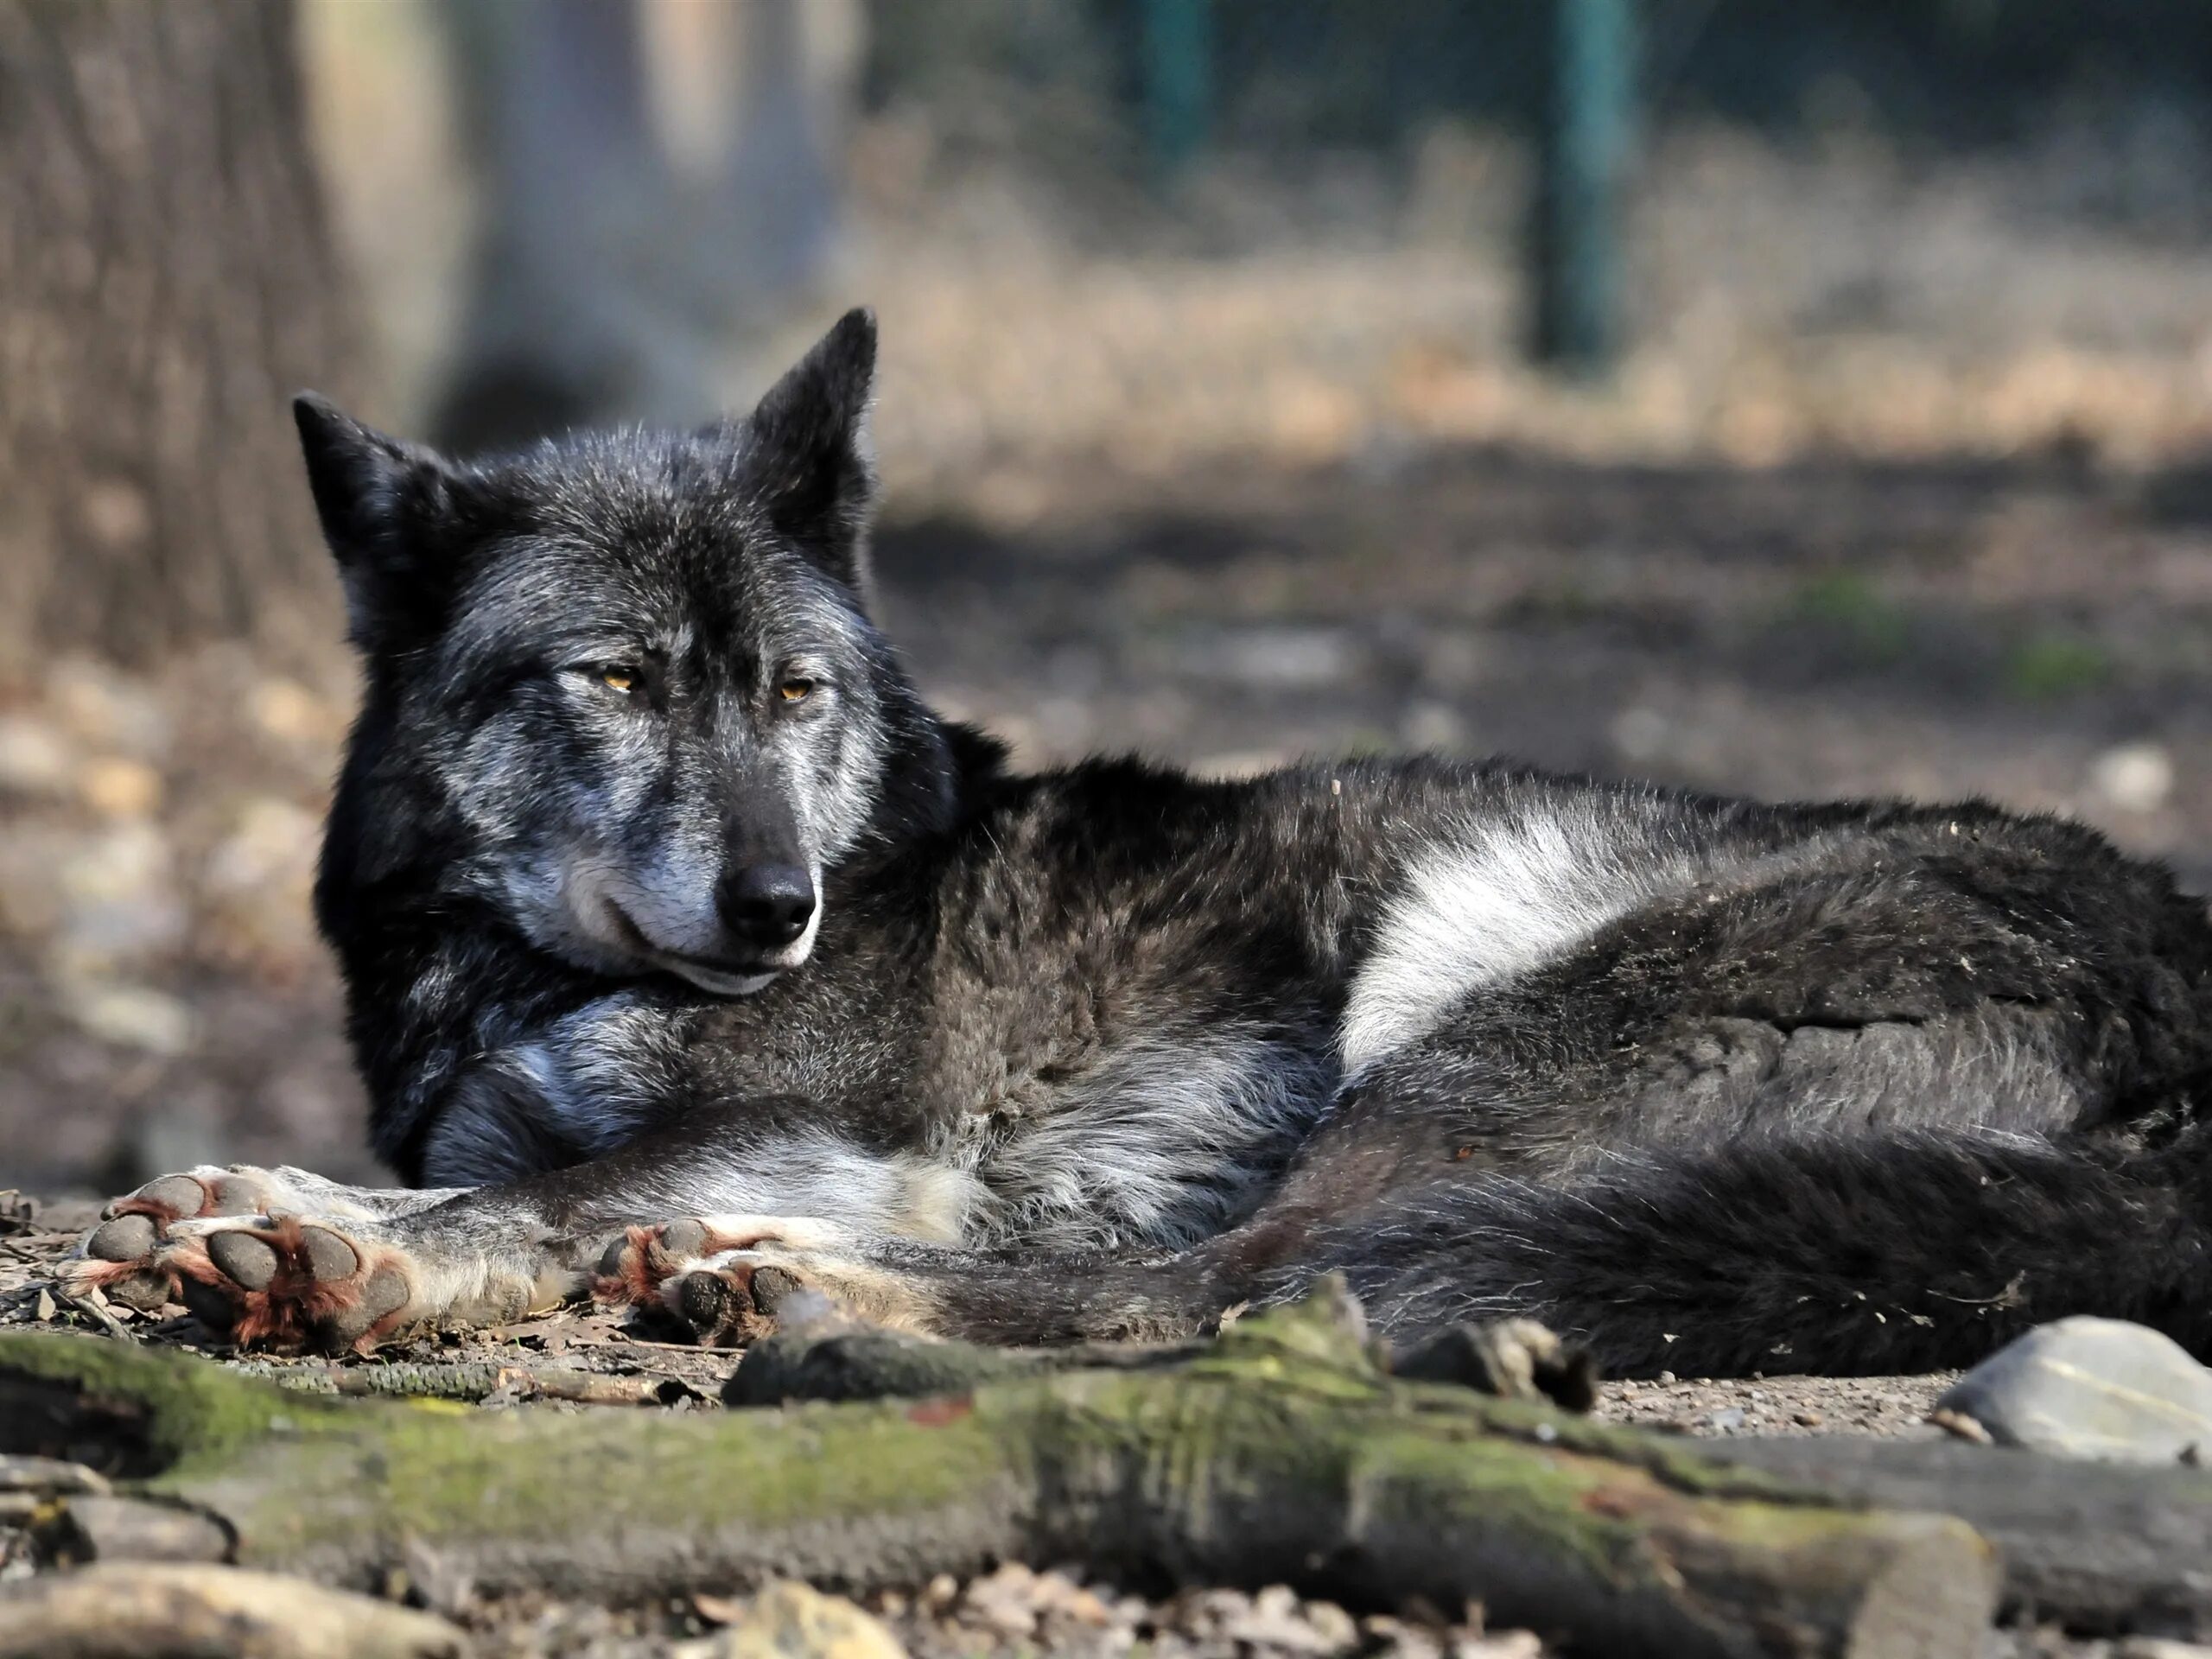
[(766, 905)]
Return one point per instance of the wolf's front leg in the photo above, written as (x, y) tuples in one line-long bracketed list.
[(283, 1258)]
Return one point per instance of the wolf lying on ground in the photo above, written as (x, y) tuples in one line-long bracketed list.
[(688, 951)]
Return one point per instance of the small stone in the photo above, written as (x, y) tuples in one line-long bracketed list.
[(115, 787), (285, 709), (2133, 776), (1336, 1627), (34, 758), (1005, 1601), (1281, 659), (2090, 1388), (116, 899), (1959, 1425), (791, 1620), (1807, 1419), (132, 1016), (1728, 1421), (1086, 1607), (109, 711), (1506, 1644), (1664, 1378), (273, 846)]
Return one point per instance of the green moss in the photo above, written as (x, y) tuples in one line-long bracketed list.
[(191, 1410), (525, 1476)]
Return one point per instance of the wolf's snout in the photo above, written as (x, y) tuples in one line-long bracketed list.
[(766, 905)]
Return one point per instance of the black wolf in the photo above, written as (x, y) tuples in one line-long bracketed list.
[(684, 943)]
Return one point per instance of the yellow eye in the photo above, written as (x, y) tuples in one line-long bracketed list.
[(624, 680), (795, 691)]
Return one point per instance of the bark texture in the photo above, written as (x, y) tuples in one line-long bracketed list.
[(167, 282)]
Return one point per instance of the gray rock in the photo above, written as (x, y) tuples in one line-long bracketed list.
[(2089, 1388)]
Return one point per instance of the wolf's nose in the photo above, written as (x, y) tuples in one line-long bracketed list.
[(767, 905)]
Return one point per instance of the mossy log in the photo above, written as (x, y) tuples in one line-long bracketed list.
[(1282, 1453)]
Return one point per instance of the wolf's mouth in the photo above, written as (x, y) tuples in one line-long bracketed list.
[(717, 976)]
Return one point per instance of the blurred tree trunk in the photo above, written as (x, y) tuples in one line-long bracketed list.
[(166, 281)]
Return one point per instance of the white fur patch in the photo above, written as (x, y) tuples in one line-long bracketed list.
[(1494, 901), (818, 1174)]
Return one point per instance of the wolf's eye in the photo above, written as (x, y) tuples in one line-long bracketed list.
[(795, 689), (620, 679)]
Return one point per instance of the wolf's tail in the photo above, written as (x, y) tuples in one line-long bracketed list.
[(1908, 1254)]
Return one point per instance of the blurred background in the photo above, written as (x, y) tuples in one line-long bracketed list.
[(1807, 398)]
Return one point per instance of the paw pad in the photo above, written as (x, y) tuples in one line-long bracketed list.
[(292, 1284)]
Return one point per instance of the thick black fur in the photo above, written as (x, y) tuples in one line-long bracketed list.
[(1857, 1087)]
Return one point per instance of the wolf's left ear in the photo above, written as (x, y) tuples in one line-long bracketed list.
[(807, 450)]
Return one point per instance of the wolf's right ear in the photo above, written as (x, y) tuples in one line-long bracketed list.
[(378, 499)]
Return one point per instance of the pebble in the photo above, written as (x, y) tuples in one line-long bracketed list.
[(2133, 776), (2090, 1388), (1016, 1612), (132, 1016), (34, 758), (1277, 659), (791, 1620), (115, 786)]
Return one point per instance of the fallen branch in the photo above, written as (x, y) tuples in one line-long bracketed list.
[(482, 1380), (1280, 1454)]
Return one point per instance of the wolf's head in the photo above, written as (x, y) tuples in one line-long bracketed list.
[(624, 688)]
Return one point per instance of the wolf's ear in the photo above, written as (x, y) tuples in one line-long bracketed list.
[(379, 500), (807, 450)]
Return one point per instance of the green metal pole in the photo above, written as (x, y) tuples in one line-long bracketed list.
[(1177, 47), (1586, 137)]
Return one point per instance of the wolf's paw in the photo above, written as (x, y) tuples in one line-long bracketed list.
[(122, 1256), (638, 1265), (288, 1283), (726, 1276)]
